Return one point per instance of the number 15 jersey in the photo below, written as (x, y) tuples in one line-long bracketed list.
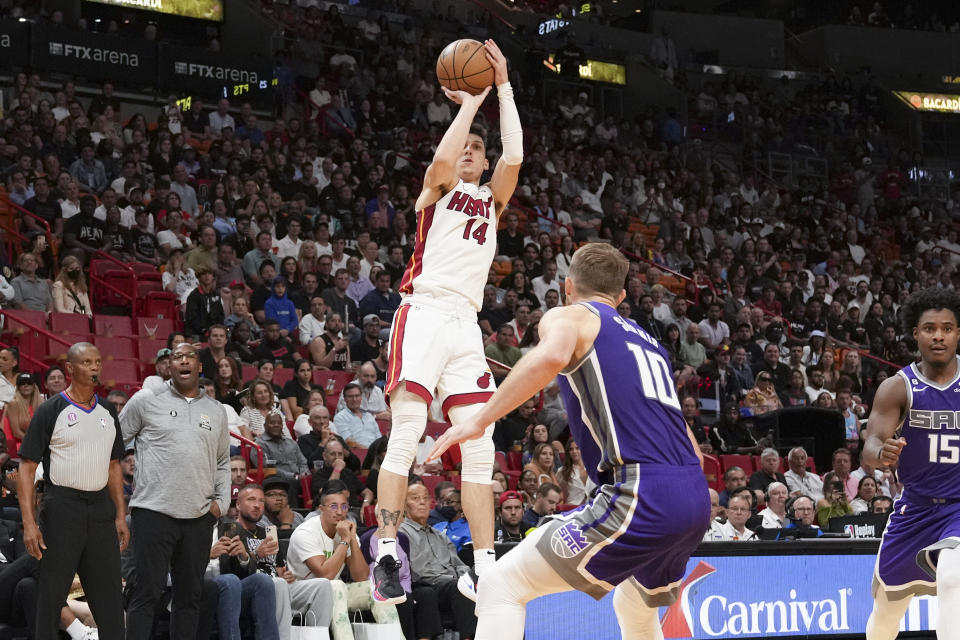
[(930, 463), (455, 245)]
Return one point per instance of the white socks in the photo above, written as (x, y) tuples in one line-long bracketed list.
[(483, 559), (948, 594), (386, 547), (77, 630)]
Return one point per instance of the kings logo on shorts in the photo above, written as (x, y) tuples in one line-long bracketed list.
[(568, 540), (733, 613)]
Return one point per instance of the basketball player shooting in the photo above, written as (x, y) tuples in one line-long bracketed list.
[(913, 427), (636, 536), (435, 344)]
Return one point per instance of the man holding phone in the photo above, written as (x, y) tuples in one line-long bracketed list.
[(311, 599)]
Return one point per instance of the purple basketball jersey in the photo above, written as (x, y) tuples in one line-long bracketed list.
[(621, 402), (930, 463)]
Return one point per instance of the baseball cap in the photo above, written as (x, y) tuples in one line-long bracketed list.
[(510, 495), (236, 284), (816, 333), (164, 353), (273, 482), (370, 317)]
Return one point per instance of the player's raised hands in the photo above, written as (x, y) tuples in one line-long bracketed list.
[(464, 98), (890, 452), (497, 60)]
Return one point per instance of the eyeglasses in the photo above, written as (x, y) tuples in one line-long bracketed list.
[(738, 509), (179, 357), (343, 508)]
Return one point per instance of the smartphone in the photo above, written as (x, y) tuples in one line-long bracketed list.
[(230, 530), (836, 485), (272, 533)]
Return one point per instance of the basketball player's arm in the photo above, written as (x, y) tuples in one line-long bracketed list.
[(441, 175), (881, 448), (505, 174), (559, 334)]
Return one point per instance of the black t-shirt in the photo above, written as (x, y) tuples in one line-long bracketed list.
[(348, 477), (294, 389), (49, 210), (259, 298), (86, 230), (282, 350), (144, 243), (510, 247), (340, 360), (362, 351)]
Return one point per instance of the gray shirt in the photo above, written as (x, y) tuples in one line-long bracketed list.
[(183, 452), (282, 452), (33, 293), (433, 558)]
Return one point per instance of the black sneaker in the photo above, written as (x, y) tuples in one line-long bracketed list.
[(467, 584), (385, 582)]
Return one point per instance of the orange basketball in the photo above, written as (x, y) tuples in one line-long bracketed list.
[(463, 66)]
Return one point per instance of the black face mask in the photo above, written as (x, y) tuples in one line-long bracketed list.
[(74, 274), (448, 513)]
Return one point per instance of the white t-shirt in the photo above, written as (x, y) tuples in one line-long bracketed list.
[(309, 540)]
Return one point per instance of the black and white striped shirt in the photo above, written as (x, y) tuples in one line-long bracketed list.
[(74, 444)]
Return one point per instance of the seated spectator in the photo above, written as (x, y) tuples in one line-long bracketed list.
[(366, 346), (117, 240), (510, 526), (178, 278), (866, 491), (734, 529), (335, 468), (176, 235), (455, 526), (799, 480), (358, 427), (18, 412), (733, 478), (359, 286), (713, 330), (732, 434), (326, 545), (834, 503), (574, 480), (312, 324), (815, 384), (83, 232), (312, 442), (146, 247), (542, 463), (692, 353), (313, 598), (260, 405), (545, 503), (70, 288), (89, 173), (280, 309), (763, 397), (293, 397), (504, 351), (204, 307), (434, 561), (769, 471), (31, 292), (276, 507), (281, 453), (276, 347), (801, 514), (372, 400), (774, 516), (779, 372), (382, 301)]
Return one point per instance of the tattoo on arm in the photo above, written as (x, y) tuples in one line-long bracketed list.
[(388, 518)]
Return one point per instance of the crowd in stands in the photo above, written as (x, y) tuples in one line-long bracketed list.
[(285, 244)]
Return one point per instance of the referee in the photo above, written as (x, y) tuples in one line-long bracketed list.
[(181, 487), (82, 523)]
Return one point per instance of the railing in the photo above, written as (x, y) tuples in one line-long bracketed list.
[(40, 365), (52, 241), (245, 446), (12, 248)]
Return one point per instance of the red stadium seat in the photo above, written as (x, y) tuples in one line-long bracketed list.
[(384, 427), (113, 326), (121, 374), (161, 305), (147, 350), (76, 323), (12, 326), (811, 465), (436, 429), (248, 372), (515, 460), (332, 382), (711, 470), (145, 271), (112, 348), (369, 515), (737, 460), (360, 452), (431, 482), (150, 327), (305, 495), (282, 375)]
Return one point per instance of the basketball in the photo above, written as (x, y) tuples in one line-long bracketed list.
[(463, 66)]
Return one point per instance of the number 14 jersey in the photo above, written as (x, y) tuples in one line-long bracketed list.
[(931, 426), (455, 245)]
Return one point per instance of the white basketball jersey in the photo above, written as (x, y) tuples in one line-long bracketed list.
[(455, 245)]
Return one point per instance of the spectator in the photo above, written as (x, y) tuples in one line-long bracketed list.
[(763, 397), (312, 324), (381, 301), (769, 471), (503, 351), (509, 526), (367, 345), (44, 205), (205, 254), (31, 292), (545, 503), (373, 400), (542, 463), (276, 347), (293, 397), (254, 259), (276, 508), (70, 288), (774, 516), (434, 561), (358, 427), (733, 478), (799, 480), (260, 404), (282, 452), (738, 512), (574, 480), (83, 232), (279, 309), (90, 174), (204, 307), (835, 503), (692, 353), (866, 491)]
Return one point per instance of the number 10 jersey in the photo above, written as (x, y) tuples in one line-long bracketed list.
[(455, 245)]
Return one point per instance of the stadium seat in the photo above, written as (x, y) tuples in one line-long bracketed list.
[(248, 372), (369, 515), (384, 426), (306, 498), (431, 481), (121, 374), (161, 304), (113, 326), (436, 429), (69, 323), (332, 382), (114, 348), (515, 460), (147, 350), (145, 271), (360, 452), (501, 459), (152, 327), (736, 460), (712, 472), (15, 321), (282, 375)]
